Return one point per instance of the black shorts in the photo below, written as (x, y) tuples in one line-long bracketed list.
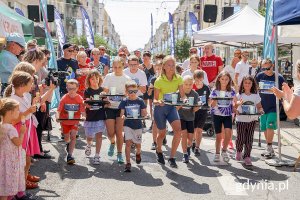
[(187, 125), (200, 118), (146, 96), (112, 113), (219, 120)]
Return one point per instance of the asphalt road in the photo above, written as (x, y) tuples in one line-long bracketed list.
[(201, 178)]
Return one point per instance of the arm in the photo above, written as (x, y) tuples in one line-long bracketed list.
[(106, 69), (18, 141), (181, 92), (156, 97), (144, 112), (142, 88)]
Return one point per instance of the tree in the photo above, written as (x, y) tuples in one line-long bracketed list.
[(82, 41), (182, 48)]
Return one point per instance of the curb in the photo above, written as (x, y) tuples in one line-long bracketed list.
[(290, 140)]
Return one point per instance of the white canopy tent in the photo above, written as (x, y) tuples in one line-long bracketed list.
[(245, 26)]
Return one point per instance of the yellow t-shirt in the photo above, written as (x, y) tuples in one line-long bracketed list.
[(165, 86)]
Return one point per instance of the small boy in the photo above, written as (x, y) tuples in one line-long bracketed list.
[(70, 102), (201, 115), (187, 117), (132, 127)]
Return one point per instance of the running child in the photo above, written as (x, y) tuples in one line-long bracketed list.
[(222, 112), (246, 124), (132, 128), (70, 103), (201, 115), (95, 114), (11, 156), (187, 117)]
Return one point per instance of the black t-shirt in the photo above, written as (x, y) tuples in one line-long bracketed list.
[(204, 90), (96, 112), (66, 65), (149, 73)]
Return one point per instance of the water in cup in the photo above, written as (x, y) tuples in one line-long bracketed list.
[(222, 93), (96, 97), (191, 101), (174, 98), (71, 114), (113, 90), (252, 109), (135, 113), (261, 85)]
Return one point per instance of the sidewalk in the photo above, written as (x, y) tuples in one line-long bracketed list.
[(290, 132)]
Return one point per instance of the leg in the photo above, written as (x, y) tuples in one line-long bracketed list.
[(98, 142), (73, 141), (150, 106), (218, 142), (160, 138), (227, 138), (154, 131), (190, 139), (198, 136), (239, 140), (119, 131), (138, 148), (127, 150), (176, 138), (89, 141), (111, 131), (249, 139), (184, 141)]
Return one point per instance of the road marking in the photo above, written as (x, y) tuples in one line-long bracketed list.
[(231, 186)]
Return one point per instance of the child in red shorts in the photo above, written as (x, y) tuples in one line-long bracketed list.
[(70, 102)]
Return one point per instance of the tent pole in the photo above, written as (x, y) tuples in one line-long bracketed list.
[(277, 86)]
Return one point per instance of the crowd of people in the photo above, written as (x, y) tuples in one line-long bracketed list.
[(113, 99)]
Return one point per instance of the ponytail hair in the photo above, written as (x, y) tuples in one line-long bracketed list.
[(18, 79), (6, 104)]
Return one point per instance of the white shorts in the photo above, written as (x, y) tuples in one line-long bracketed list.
[(133, 134)]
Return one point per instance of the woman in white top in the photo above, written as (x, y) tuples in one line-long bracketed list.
[(115, 81)]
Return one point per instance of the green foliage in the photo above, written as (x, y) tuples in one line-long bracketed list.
[(182, 48), (262, 11), (82, 41)]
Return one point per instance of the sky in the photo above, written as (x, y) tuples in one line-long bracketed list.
[(131, 18)]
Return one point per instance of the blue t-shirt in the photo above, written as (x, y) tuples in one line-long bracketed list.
[(104, 61), (127, 105), (268, 100), (8, 62), (66, 65)]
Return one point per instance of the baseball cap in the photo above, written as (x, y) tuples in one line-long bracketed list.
[(67, 45), (147, 53), (17, 38)]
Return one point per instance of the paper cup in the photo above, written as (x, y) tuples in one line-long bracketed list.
[(191, 101), (71, 114), (174, 98), (135, 113), (252, 109), (113, 90), (222, 94), (261, 85), (96, 97)]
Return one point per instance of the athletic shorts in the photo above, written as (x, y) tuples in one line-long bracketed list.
[(164, 113), (200, 118), (133, 134), (93, 127), (222, 120), (146, 96), (66, 129), (112, 113), (187, 125), (268, 121)]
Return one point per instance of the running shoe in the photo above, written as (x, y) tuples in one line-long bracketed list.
[(160, 158), (188, 150), (120, 159), (96, 160), (225, 156), (153, 146), (217, 158), (127, 167), (197, 152), (88, 150), (138, 158), (70, 160), (111, 150), (269, 152), (185, 158), (172, 162), (193, 145), (247, 161), (238, 156)]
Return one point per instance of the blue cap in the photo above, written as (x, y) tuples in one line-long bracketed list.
[(16, 37)]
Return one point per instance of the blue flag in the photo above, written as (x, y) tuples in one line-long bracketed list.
[(52, 62), (194, 22), (171, 25), (88, 28), (151, 44), (60, 32), (269, 34), (19, 11)]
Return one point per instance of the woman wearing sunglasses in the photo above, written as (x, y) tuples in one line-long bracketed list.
[(168, 82), (115, 83)]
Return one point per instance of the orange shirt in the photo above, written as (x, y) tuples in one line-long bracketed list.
[(81, 80), (66, 99)]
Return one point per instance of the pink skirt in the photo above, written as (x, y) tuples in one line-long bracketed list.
[(33, 146)]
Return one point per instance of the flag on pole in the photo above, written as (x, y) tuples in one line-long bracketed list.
[(194, 22), (269, 39), (171, 25), (60, 32), (151, 44), (88, 28), (52, 62), (19, 11)]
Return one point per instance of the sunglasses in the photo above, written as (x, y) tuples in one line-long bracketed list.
[(266, 69), (102, 49), (70, 51), (132, 91), (193, 51)]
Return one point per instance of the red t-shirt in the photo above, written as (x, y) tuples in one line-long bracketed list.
[(63, 114), (210, 66), (81, 80)]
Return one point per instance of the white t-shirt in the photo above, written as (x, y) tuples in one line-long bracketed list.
[(230, 70), (139, 77), (297, 91), (186, 64), (190, 73), (255, 98), (242, 69), (111, 80)]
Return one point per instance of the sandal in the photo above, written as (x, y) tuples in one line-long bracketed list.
[(33, 178), (31, 185)]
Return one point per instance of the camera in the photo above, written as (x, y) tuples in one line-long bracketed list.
[(54, 76)]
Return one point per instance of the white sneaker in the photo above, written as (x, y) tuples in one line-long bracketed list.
[(269, 152), (96, 160), (225, 156), (217, 158), (88, 150)]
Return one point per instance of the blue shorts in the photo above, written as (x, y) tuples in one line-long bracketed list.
[(164, 113)]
